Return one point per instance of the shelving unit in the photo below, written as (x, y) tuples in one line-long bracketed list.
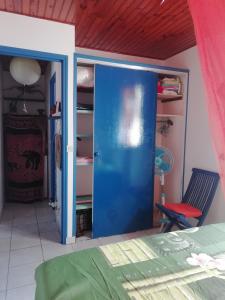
[(84, 163), (169, 98), (84, 111), (168, 115), (84, 199), (170, 134), (84, 135), (84, 89)]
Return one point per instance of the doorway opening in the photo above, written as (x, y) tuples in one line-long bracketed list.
[(31, 155)]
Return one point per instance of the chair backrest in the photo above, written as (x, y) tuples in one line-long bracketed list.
[(201, 190)]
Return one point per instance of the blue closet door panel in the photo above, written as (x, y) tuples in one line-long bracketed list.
[(124, 143)]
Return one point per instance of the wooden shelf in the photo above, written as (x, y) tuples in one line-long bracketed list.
[(169, 98), (84, 111), (84, 136), (83, 89), (84, 163), (83, 206), (84, 202), (168, 115)]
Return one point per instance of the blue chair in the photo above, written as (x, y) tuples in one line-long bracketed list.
[(195, 203)]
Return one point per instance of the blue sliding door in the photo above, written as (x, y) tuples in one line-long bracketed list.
[(124, 142)]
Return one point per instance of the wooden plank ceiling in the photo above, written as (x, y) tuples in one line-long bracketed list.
[(148, 28)]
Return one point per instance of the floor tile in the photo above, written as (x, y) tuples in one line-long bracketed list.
[(85, 245), (2, 295), (22, 275), (24, 220), (5, 230), (41, 204), (25, 256), (47, 226), (25, 230), (4, 260), (22, 293), (50, 237), (44, 211), (46, 217), (24, 212), (7, 216), (25, 242), (53, 250), (3, 283), (5, 244)]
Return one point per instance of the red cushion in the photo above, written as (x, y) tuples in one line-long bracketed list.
[(185, 209)]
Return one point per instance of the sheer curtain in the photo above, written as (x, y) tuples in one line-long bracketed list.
[(209, 23)]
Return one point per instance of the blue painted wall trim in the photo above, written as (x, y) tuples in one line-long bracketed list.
[(64, 175), (52, 139), (12, 51), (75, 145), (129, 63), (185, 133)]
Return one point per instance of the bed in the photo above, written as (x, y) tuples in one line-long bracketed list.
[(188, 264)]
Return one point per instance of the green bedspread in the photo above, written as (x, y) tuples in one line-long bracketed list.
[(187, 264)]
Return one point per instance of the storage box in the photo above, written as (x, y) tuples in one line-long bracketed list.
[(84, 221)]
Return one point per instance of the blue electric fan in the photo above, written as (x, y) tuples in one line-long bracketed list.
[(163, 164)]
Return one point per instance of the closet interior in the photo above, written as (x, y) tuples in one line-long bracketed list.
[(170, 140), (84, 175)]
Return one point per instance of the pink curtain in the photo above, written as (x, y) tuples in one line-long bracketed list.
[(209, 23)]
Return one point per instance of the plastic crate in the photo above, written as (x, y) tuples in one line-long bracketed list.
[(84, 221)]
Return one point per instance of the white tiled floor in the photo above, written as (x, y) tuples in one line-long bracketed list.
[(29, 236)]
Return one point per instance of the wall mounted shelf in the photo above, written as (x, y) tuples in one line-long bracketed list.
[(84, 163), (83, 89), (84, 111), (168, 115), (169, 98), (84, 136)]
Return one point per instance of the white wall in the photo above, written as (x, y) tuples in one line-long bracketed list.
[(199, 147), (46, 36), (1, 147), (112, 55)]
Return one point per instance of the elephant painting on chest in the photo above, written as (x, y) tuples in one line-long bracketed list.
[(12, 166), (33, 159)]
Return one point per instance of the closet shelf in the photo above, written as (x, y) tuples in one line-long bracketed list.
[(84, 89), (168, 115), (84, 161), (83, 202), (83, 206), (168, 98), (84, 111), (84, 135)]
